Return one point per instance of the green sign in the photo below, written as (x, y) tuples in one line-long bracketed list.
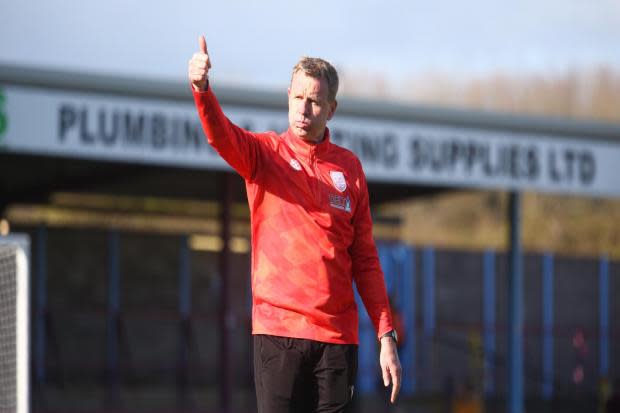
[(3, 119)]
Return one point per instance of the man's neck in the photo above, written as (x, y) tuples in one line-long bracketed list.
[(316, 141)]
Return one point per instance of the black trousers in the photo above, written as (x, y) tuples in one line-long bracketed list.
[(297, 376)]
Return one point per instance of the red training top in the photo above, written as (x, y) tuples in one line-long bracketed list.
[(311, 231)]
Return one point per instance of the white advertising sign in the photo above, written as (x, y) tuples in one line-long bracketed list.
[(126, 129)]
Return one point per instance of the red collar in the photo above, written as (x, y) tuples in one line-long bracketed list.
[(306, 149)]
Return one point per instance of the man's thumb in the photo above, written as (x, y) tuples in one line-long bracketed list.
[(203, 44)]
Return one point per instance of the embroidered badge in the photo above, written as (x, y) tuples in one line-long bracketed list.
[(340, 202), (338, 180), (295, 164)]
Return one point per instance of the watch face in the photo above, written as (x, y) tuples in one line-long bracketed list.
[(394, 335)]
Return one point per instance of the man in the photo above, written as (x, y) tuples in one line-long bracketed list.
[(311, 238)]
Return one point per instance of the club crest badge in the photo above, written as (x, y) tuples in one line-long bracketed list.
[(295, 164), (338, 179)]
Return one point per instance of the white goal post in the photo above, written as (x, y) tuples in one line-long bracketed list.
[(14, 324)]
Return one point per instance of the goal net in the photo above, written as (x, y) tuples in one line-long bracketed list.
[(14, 325)]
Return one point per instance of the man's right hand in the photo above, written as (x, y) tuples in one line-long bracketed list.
[(199, 66)]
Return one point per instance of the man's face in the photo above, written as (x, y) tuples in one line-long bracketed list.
[(308, 107)]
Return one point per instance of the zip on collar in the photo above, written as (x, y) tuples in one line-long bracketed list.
[(308, 151)]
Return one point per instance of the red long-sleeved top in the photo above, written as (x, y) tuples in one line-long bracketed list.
[(311, 231)]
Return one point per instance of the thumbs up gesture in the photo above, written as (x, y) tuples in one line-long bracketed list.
[(199, 66)]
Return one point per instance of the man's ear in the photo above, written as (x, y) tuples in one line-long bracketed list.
[(289, 92), (332, 109)]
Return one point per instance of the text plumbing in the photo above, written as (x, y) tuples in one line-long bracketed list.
[(400, 153)]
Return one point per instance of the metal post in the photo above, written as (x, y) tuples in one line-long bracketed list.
[(185, 303), (515, 308), (428, 267), (113, 314), (185, 280), (408, 313), (225, 366), (604, 317), (40, 345), (428, 301), (547, 308), (488, 314)]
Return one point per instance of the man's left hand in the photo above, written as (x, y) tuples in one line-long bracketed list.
[(390, 366)]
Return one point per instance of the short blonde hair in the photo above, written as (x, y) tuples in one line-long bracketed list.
[(318, 68)]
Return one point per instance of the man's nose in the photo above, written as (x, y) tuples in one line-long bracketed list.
[(304, 108)]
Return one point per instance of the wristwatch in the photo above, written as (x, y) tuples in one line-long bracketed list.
[(391, 333)]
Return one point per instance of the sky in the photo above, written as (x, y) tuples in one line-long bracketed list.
[(256, 43)]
